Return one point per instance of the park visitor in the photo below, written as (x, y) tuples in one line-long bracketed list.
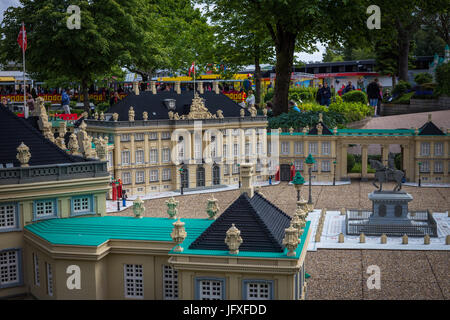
[(65, 101), (373, 93)]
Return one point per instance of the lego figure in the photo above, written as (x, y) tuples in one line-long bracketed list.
[(124, 198)]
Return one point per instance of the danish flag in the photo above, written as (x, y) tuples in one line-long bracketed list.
[(192, 68), (22, 38)]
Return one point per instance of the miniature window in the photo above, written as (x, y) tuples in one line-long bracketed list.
[(326, 165), (235, 168), (425, 166), (326, 147), (259, 148), (139, 156), (210, 289), (134, 281), (9, 268), (82, 204), (153, 175), (198, 149), (170, 280), (313, 147), (166, 174), (140, 176), (314, 167), (153, 155), (125, 137), (226, 169), (49, 279), (37, 280), (425, 149), (235, 150), (110, 159), (45, 209), (125, 157), (438, 149), (166, 155), (8, 216), (258, 166), (139, 137), (225, 151), (438, 167), (298, 165), (298, 148), (247, 149), (165, 135), (126, 178), (153, 136), (258, 290), (285, 148)]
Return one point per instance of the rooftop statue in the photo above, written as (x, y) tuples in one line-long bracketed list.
[(386, 174)]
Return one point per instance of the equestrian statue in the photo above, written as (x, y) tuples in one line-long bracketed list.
[(386, 174)]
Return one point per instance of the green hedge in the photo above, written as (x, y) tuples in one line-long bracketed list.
[(296, 119), (351, 111), (401, 87), (422, 78), (355, 96)]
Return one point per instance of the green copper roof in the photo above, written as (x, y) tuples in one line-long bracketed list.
[(93, 231)]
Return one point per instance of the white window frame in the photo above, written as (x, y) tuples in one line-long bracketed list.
[(166, 172), (124, 137), (285, 147), (326, 166), (153, 136), (425, 149), (81, 204), (165, 135), (235, 168), (8, 216), (10, 268), (326, 147), (140, 176), (208, 287), (312, 147), (49, 271), (438, 149), (258, 290), (125, 156), (110, 159), (166, 155), (139, 137), (170, 283), (139, 156), (236, 150), (126, 178), (438, 167), (133, 275), (425, 166), (154, 175), (37, 280), (298, 147), (153, 155), (298, 165)]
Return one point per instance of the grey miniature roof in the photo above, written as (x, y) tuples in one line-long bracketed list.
[(154, 104), (261, 224), (15, 130), (430, 129)]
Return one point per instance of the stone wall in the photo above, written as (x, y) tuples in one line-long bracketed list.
[(415, 106)]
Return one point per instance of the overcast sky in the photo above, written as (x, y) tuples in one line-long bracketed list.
[(317, 56)]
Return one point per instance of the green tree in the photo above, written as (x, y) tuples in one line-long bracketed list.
[(109, 31)]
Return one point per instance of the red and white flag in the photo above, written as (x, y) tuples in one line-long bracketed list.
[(192, 68), (22, 38)]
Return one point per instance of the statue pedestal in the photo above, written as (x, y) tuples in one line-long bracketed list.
[(389, 207)]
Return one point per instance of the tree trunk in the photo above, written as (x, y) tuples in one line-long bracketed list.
[(285, 59), (257, 80), (403, 54), (84, 89)]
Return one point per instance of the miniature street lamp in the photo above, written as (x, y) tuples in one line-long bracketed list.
[(334, 175), (181, 179), (239, 168), (310, 161), (298, 182), (420, 164)]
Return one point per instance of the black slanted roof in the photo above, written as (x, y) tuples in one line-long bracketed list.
[(261, 224), (430, 129), (15, 130), (325, 130), (154, 104)]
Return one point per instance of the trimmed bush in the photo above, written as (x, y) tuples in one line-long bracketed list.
[(401, 87), (355, 96), (422, 78), (352, 111), (404, 98)]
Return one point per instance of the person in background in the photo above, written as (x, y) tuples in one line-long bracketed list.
[(379, 101), (250, 99), (293, 106), (65, 101), (326, 95), (269, 106), (348, 88), (4, 102), (319, 94), (373, 93), (114, 99), (30, 102)]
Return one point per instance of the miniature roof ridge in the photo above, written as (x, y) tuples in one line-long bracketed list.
[(325, 130), (261, 224), (430, 129), (19, 129)]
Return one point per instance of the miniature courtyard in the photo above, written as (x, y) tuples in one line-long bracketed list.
[(338, 270)]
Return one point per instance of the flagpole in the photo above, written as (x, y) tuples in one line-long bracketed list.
[(25, 108), (194, 79)]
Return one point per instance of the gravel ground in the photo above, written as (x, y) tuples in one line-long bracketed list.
[(342, 274)]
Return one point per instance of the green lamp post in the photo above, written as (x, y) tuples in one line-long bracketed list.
[(310, 161), (334, 173), (181, 179), (420, 164), (239, 168), (298, 182)]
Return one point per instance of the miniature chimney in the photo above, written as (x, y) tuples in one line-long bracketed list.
[(136, 88), (246, 179), (178, 87)]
